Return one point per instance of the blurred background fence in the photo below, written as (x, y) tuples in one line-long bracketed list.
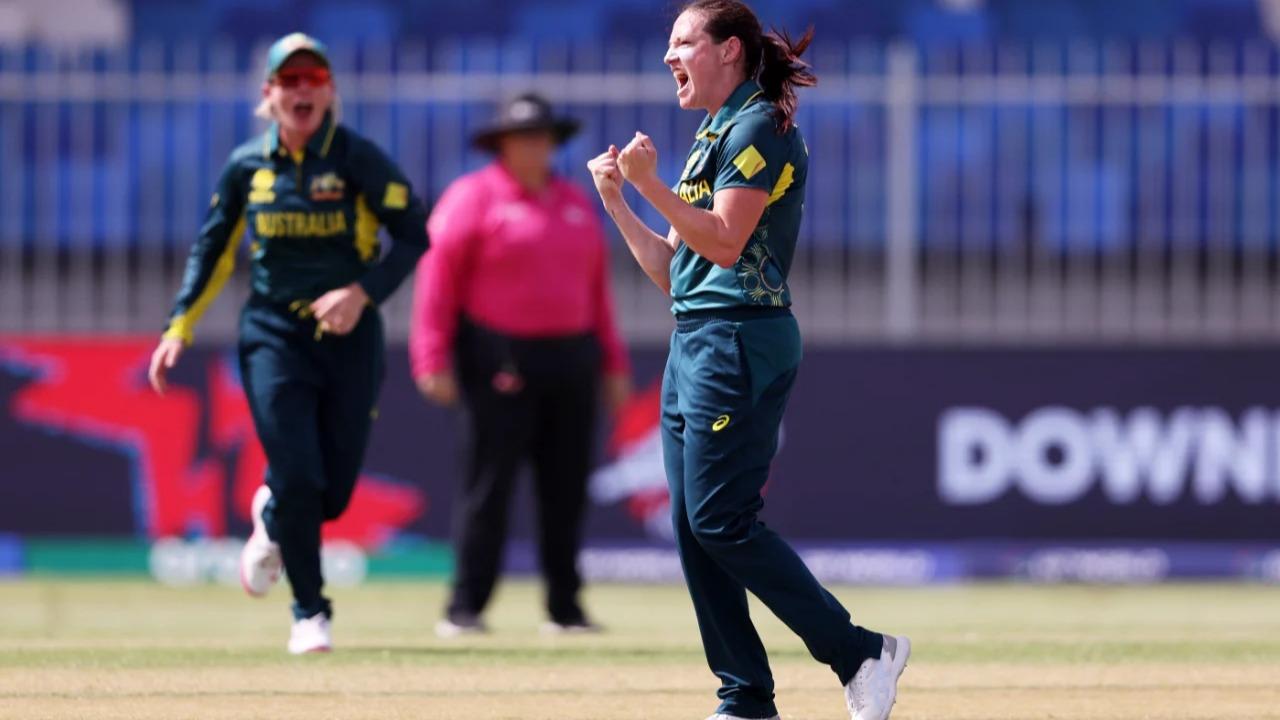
[(1077, 191)]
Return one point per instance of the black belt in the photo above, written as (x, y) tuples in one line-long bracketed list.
[(740, 313)]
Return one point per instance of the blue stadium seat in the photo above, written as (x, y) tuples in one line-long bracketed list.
[(353, 21), (931, 24), (926, 21)]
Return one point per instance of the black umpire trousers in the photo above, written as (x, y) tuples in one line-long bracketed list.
[(534, 401)]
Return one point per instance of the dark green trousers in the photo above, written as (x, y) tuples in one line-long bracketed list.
[(725, 390), (313, 402)]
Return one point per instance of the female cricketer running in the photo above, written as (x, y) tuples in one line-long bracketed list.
[(735, 214), (312, 195)]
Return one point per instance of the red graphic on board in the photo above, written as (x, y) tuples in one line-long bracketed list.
[(635, 475), (96, 390)]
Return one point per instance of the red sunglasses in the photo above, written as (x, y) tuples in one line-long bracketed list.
[(315, 77)]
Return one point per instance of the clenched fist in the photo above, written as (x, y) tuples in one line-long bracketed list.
[(605, 174), (638, 161)]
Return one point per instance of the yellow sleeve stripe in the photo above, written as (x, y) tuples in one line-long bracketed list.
[(183, 326), (785, 180), (366, 230), (749, 162)]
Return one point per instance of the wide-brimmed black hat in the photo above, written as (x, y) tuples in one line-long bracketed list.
[(523, 113)]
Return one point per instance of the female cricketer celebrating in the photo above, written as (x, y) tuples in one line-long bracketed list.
[(735, 214), (312, 195)]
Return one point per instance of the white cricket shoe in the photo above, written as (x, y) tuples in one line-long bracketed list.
[(459, 625), (873, 690), (722, 716), (310, 635), (260, 562), (584, 626)]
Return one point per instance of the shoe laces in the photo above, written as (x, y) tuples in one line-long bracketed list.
[(315, 623), (858, 693)]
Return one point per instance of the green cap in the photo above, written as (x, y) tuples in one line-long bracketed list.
[(285, 47)]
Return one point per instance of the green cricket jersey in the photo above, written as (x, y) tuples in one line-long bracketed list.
[(312, 221), (740, 147)]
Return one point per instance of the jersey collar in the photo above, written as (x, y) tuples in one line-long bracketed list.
[(319, 143), (715, 125)]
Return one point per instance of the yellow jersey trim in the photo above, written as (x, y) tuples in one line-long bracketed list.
[(366, 230), (785, 181), (709, 135), (183, 326)]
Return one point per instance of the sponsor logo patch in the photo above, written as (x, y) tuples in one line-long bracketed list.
[(261, 187)]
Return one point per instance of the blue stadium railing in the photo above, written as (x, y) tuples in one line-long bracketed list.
[(948, 185)]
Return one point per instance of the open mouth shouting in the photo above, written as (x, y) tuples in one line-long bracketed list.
[(302, 112), (682, 81)]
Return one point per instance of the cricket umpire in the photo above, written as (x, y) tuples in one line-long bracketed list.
[(513, 315), (311, 195)]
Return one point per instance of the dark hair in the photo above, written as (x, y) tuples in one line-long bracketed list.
[(772, 58)]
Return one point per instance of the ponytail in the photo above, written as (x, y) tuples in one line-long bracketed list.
[(781, 71)]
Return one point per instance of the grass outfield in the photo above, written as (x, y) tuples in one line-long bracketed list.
[(126, 649)]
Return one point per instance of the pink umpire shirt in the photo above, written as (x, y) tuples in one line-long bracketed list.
[(522, 265)]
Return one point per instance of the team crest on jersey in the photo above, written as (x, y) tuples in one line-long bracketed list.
[(327, 187), (261, 187)]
